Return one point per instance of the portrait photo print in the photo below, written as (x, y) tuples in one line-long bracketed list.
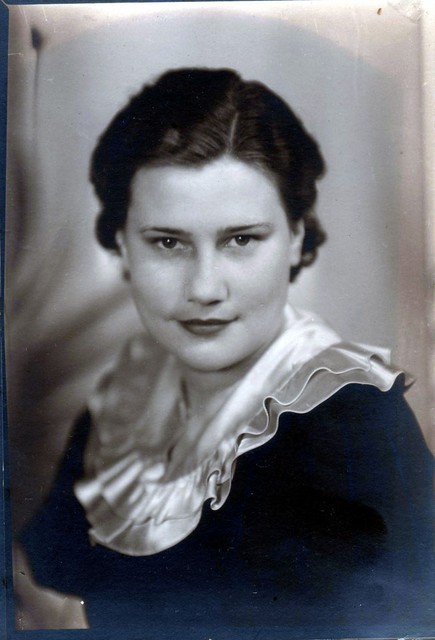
[(219, 320)]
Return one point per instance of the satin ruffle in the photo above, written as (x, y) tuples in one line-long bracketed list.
[(136, 416)]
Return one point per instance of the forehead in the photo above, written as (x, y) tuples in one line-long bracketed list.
[(217, 192)]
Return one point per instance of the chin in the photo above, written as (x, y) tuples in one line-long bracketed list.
[(215, 362), (209, 366)]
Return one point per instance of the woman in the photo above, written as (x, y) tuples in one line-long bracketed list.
[(241, 472)]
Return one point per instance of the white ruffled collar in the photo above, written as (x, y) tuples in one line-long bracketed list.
[(137, 413)]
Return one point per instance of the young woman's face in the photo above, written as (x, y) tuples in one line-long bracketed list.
[(209, 251)]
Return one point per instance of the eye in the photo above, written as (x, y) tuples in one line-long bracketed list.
[(166, 243), (241, 240)]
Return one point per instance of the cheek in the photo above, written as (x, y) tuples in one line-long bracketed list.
[(268, 283), (154, 292)]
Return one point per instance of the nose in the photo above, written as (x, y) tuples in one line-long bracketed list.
[(207, 284)]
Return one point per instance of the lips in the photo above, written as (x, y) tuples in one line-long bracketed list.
[(207, 327)]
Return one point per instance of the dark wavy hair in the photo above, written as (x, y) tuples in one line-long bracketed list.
[(192, 116)]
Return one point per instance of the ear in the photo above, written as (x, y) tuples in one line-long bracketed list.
[(296, 241), (120, 241)]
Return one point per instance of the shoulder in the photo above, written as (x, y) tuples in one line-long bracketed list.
[(347, 397), (365, 445), (355, 403), (365, 413), (355, 465), (363, 423)]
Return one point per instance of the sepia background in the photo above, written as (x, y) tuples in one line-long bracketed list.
[(360, 78)]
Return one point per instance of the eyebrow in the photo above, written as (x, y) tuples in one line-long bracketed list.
[(261, 227)]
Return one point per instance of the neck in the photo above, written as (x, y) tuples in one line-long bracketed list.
[(205, 391)]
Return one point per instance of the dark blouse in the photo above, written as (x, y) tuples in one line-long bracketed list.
[(326, 533)]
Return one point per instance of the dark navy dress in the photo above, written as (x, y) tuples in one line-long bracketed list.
[(326, 533)]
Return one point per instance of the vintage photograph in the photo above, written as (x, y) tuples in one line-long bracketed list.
[(219, 319)]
